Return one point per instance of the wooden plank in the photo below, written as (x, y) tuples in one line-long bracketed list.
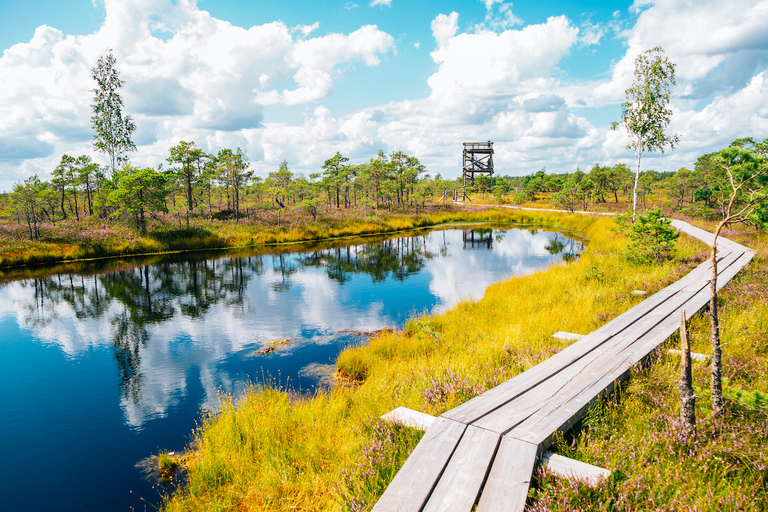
[(561, 335), (575, 377), (504, 418), (571, 469), (510, 478), (413, 484), (695, 356), (410, 418), (507, 391), (561, 414), (560, 411), (558, 465), (463, 477)]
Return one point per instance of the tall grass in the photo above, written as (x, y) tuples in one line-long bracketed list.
[(276, 451)]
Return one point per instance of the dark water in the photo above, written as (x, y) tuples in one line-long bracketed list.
[(99, 371)]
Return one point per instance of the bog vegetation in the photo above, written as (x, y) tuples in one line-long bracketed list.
[(273, 449)]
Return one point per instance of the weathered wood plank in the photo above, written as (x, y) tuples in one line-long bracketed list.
[(576, 376), (510, 478), (463, 477), (591, 378), (561, 335), (491, 400), (560, 414), (410, 418), (413, 484), (581, 373), (558, 465), (571, 469), (695, 356)]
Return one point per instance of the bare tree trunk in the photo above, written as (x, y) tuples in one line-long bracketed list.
[(634, 190), (687, 398), (717, 364)]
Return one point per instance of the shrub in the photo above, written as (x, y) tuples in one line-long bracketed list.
[(652, 237)]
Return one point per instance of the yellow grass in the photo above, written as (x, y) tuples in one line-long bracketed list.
[(273, 451)]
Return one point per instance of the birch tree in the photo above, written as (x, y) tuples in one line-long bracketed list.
[(113, 129), (645, 113)]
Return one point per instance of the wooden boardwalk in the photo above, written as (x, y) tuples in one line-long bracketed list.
[(484, 451)]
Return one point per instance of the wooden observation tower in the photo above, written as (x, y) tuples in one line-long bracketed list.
[(478, 158)]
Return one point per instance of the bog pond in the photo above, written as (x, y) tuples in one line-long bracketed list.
[(101, 367)]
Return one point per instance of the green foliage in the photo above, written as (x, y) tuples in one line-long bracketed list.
[(113, 130), (594, 273), (138, 192), (28, 200), (645, 113), (652, 237)]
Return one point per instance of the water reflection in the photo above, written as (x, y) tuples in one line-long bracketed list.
[(398, 258), (478, 238), (120, 356), (163, 320)]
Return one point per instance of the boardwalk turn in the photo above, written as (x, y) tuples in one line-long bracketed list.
[(485, 450)]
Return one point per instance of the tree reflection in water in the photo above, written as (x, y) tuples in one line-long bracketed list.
[(398, 258), (134, 302)]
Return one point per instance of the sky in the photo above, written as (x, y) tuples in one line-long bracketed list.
[(299, 80)]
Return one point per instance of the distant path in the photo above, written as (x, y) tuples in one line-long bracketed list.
[(486, 449)]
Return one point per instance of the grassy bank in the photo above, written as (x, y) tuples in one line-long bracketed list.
[(273, 450), (636, 433), (94, 239)]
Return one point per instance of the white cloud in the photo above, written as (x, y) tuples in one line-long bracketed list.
[(490, 3), (203, 77), (307, 29), (501, 19), (193, 77), (385, 3), (721, 53), (488, 66), (699, 38), (591, 33)]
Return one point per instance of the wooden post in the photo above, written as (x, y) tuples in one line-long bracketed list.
[(687, 398)]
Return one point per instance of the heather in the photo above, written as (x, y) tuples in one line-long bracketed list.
[(637, 434), (274, 450)]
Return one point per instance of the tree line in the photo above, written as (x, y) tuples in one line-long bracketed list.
[(192, 182)]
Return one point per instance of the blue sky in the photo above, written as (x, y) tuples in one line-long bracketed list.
[(300, 80)]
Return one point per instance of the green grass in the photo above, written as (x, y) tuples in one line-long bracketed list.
[(274, 450), (636, 432), (96, 239)]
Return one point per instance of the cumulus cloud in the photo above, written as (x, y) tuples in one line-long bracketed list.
[(720, 52), (385, 3), (699, 38), (190, 76), (187, 74)]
